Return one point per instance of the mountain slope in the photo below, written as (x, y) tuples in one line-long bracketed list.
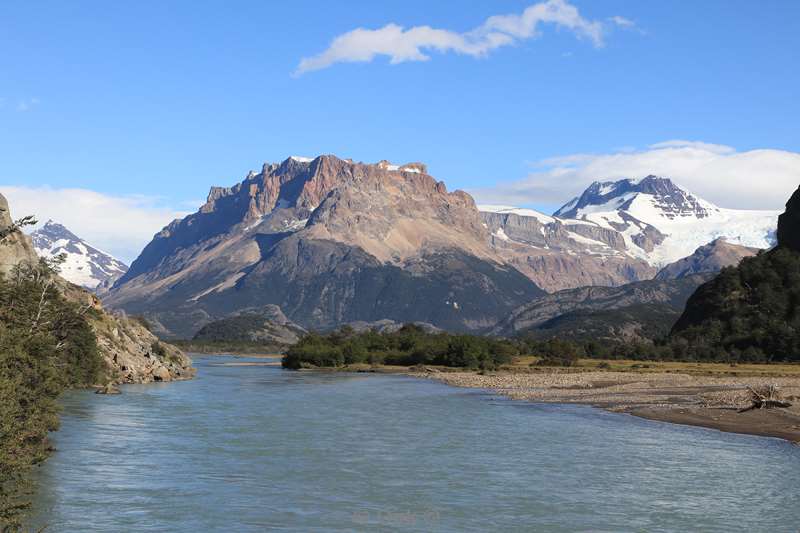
[(562, 253), (751, 311), (84, 264), (629, 310), (329, 241), (712, 257)]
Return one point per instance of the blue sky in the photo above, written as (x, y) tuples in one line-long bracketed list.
[(164, 99)]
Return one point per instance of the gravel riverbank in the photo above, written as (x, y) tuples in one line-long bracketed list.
[(706, 401)]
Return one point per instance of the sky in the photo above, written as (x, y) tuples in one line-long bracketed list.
[(116, 117)]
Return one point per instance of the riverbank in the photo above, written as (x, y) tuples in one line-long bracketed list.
[(699, 400), (698, 394)]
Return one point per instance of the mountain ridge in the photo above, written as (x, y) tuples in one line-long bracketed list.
[(329, 241), (332, 241)]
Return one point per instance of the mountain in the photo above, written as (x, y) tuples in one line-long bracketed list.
[(84, 264), (712, 257), (661, 222), (645, 309), (329, 241), (620, 232), (750, 312), (129, 351)]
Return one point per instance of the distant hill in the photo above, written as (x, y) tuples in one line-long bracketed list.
[(711, 257), (751, 311), (269, 326)]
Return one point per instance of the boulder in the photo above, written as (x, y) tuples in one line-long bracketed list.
[(110, 388)]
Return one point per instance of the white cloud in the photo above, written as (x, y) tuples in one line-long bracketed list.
[(622, 21), (401, 45), (119, 225), (754, 179)]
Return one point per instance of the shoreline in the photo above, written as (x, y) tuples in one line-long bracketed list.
[(709, 402), (703, 400)]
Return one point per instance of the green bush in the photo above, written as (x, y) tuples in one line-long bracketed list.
[(411, 345)]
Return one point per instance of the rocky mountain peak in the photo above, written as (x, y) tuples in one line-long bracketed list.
[(662, 193), (329, 240), (55, 231)]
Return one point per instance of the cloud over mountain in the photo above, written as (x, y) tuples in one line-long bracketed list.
[(753, 179), (119, 225)]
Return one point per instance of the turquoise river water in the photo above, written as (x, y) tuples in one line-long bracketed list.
[(256, 448)]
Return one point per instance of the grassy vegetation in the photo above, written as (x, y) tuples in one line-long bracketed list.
[(394, 352), (530, 363), (46, 345)]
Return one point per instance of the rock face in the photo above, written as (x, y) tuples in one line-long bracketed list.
[(84, 264), (562, 253), (329, 241), (604, 311), (15, 247), (712, 257), (789, 224), (131, 353)]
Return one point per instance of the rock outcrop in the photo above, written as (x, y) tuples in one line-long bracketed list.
[(15, 246), (131, 352)]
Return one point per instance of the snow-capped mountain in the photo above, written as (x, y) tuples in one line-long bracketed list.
[(84, 264), (651, 219), (684, 221)]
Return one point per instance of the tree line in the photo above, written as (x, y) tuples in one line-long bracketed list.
[(46, 346)]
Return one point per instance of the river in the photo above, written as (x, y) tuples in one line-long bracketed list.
[(255, 448)]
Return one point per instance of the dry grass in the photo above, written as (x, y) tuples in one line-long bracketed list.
[(522, 364)]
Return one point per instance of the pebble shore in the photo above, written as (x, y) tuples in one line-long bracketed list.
[(707, 401)]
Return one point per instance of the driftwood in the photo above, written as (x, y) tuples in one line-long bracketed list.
[(766, 397)]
